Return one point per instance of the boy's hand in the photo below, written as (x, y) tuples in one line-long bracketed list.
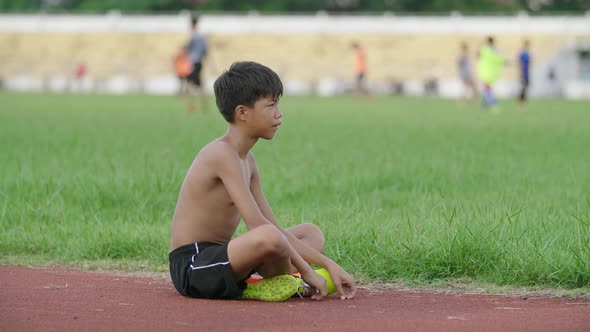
[(318, 284), (342, 280)]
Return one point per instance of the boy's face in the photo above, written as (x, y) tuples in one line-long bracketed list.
[(264, 118)]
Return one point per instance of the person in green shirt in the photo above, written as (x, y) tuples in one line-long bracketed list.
[(489, 68)]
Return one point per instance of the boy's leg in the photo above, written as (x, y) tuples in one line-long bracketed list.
[(312, 235), (264, 248), (309, 234)]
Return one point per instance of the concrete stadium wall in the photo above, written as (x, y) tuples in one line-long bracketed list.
[(387, 24)]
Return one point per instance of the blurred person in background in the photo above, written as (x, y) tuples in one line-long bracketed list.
[(196, 49), (465, 75), (552, 83), (80, 73), (360, 69), (183, 68), (489, 68), (524, 61)]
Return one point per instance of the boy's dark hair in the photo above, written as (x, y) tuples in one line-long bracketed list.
[(490, 40), (194, 20), (243, 84)]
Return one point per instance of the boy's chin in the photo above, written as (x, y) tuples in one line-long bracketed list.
[(268, 136)]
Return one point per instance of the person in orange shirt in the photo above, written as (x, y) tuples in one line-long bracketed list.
[(360, 68), (183, 67)]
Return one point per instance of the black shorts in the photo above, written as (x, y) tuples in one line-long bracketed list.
[(203, 271), (195, 76)]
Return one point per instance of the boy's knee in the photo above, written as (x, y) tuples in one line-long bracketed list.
[(315, 232), (311, 228), (271, 241)]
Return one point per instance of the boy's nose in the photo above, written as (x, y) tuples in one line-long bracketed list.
[(279, 114)]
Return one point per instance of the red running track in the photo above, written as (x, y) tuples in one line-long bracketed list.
[(61, 299)]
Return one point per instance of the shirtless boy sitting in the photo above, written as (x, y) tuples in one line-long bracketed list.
[(223, 185)]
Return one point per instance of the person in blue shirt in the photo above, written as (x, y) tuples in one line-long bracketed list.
[(524, 62), (196, 49)]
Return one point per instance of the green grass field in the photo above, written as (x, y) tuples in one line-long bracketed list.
[(404, 189)]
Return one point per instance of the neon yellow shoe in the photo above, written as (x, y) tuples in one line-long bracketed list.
[(324, 273), (275, 289), (304, 290)]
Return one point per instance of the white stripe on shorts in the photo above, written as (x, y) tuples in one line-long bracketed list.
[(206, 266), (193, 257)]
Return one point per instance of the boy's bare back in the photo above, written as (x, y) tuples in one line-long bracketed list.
[(204, 211)]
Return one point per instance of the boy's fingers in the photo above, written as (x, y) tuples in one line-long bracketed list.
[(318, 295), (320, 291), (351, 287), (352, 290), (340, 289), (324, 290)]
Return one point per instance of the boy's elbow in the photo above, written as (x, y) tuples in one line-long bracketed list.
[(256, 222)]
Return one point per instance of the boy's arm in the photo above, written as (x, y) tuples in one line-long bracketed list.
[(309, 255), (340, 277), (227, 165)]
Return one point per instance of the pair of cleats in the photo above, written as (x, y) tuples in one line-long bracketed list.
[(276, 289)]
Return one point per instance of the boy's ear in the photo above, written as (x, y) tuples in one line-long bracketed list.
[(240, 112)]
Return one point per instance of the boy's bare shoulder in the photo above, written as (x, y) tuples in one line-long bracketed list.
[(216, 152)]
